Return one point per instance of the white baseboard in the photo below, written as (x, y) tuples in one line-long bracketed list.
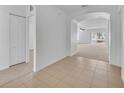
[(123, 78), (50, 63), (122, 75), (118, 65), (5, 67), (73, 53)]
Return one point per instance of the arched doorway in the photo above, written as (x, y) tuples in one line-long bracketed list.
[(83, 31)]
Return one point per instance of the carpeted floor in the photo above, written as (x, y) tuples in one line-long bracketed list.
[(93, 51)]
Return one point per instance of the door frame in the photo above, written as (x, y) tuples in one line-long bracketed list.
[(29, 14), (27, 42)]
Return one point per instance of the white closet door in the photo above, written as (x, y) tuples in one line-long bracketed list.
[(17, 39)]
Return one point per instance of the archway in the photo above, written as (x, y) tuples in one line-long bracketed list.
[(97, 21)]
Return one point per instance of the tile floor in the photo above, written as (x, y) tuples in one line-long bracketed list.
[(98, 51), (71, 72)]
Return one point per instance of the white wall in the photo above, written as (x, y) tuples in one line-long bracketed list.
[(84, 37), (50, 35), (74, 33), (4, 39), (4, 32)]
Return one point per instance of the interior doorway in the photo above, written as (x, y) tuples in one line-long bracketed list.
[(92, 39)]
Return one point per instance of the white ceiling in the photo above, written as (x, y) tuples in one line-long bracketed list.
[(94, 23), (70, 8), (92, 15), (90, 20)]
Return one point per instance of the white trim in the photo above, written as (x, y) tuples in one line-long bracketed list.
[(5, 67), (73, 53), (117, 65), (122, 76), (27, 40), (28, 15), (50, 63)]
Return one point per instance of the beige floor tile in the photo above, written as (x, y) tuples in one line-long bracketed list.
[(69, 80), (111, 85), (101, 77), (99, 67), (101, 73), (87, 79), (63, 85), (52, 82), (99, 83), (44, 76), (115, 82), (60, 75), (114, 73), (52, 71), (99, 86), (75, 72), (93, 51), (87, 75), (14, 86), (34, 83), (114, 77), (83, 84), (90, 68)]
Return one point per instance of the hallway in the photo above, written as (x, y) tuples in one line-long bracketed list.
[(93, 51), (53, 33), (76, 72)]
